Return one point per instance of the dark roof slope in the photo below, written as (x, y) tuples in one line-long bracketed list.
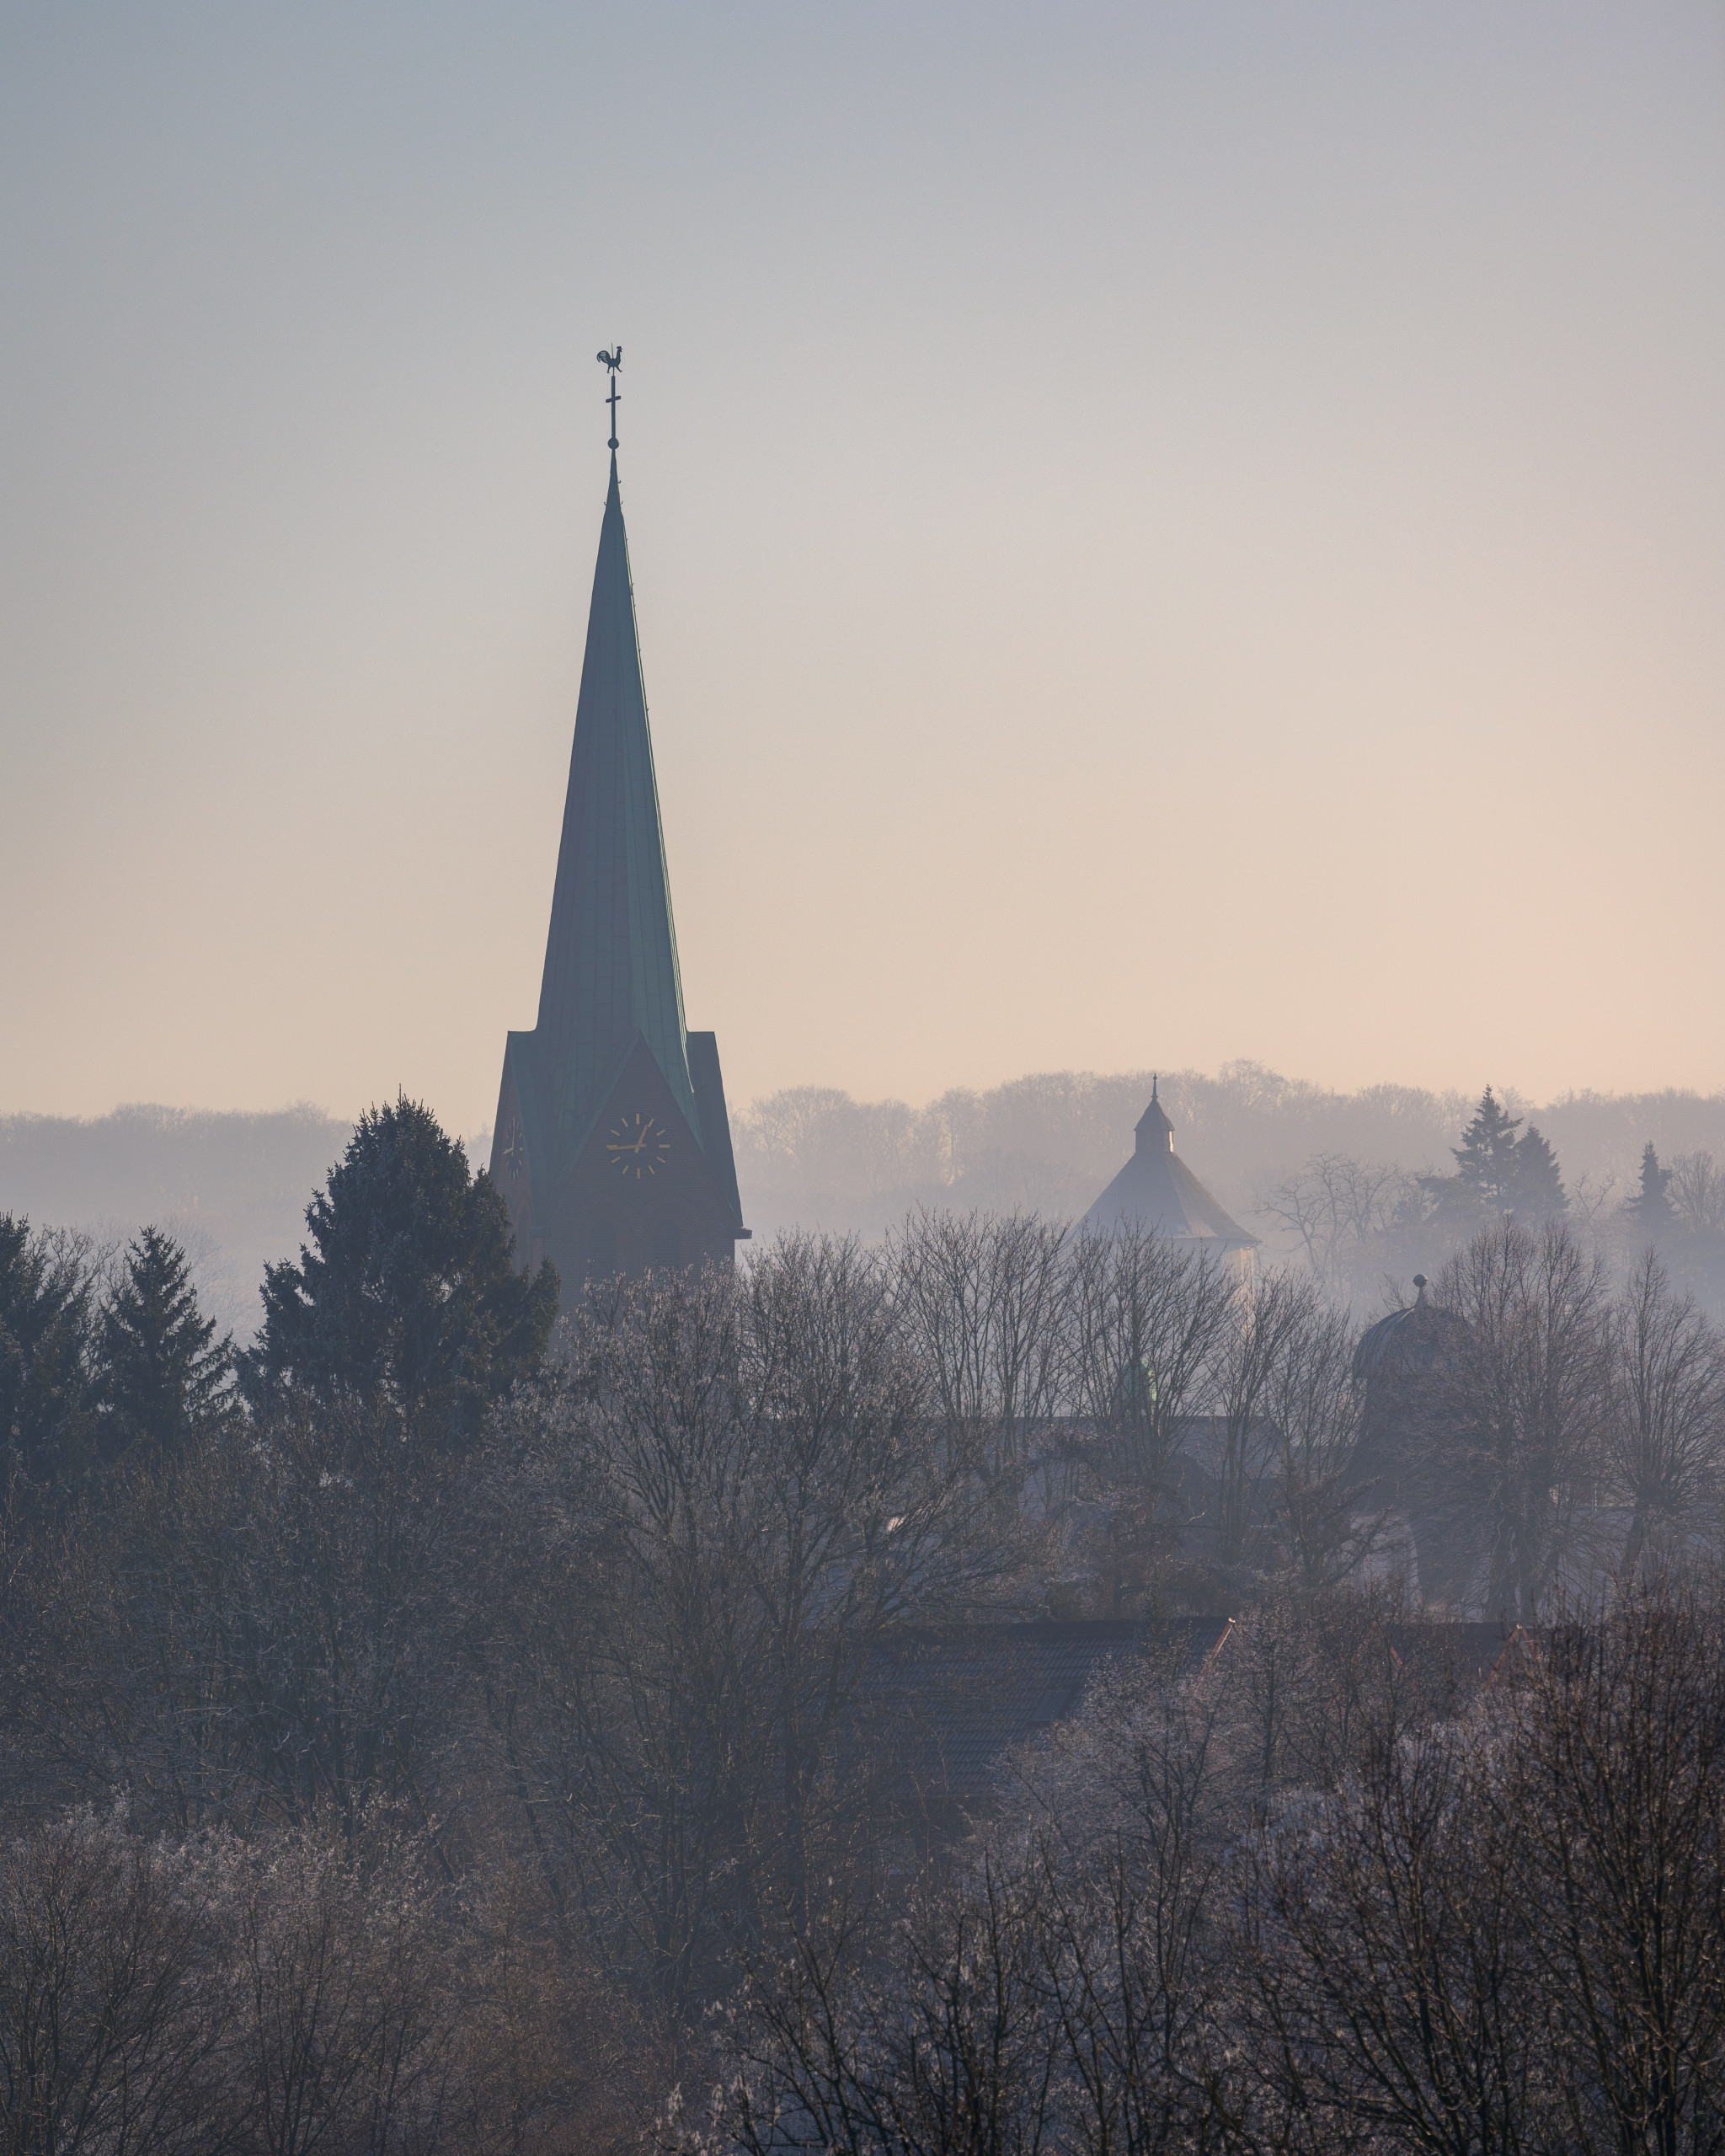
[(971, 1692), (1156, 1189)]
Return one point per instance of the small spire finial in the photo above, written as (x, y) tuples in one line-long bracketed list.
[(613, 360), (1152, 1089)]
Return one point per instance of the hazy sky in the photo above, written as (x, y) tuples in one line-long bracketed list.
[(1161, 533)]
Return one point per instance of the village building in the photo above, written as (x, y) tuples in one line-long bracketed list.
[(1156, 1191)]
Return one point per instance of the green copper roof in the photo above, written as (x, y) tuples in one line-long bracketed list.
[(611, 958)]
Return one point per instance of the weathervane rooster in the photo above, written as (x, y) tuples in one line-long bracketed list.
[(613, 361)]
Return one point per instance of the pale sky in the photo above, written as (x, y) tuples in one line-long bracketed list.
[(1161, 533)]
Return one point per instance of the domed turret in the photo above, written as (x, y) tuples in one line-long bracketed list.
[(1408, 1342), (1402, 1371)]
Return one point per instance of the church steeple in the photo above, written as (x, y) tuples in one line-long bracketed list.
[(610, 956), (613, 1144)]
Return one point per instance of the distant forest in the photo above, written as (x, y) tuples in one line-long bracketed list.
[(1275, 1151)]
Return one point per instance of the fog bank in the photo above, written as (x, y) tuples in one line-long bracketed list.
[(233, 1187)]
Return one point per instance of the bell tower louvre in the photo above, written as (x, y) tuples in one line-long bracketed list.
[(612, 1145)]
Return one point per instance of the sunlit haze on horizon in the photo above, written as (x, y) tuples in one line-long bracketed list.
[(1160, 535)]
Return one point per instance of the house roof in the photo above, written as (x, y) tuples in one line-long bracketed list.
[(971, 1693), (1156, 1189), (610, 956), (960, 1698)]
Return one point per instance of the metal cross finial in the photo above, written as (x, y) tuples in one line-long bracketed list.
[(613, 361)]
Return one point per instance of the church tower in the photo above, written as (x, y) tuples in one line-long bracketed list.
[(612, 1145)]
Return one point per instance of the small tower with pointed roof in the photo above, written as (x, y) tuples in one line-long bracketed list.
[(613, 1144), (1156, 1190)]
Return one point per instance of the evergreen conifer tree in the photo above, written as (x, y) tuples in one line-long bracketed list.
[(1484, 1159), (1651, 1207), (1534, 1187), (410, 1301), (161, 1374), (45, 1393)]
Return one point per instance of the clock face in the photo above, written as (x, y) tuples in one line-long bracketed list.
[(639, 1146), (514, 1150)]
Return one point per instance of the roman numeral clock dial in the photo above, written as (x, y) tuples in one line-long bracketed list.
[(637, 1146)]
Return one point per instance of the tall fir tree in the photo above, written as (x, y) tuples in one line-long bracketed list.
[(162, 1375), (1485, 1158), (45, 1416), (1533, 1189), (410, 1301), (1651, 1207)]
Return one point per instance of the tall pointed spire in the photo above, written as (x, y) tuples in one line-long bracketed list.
[(610, 956), (612, 1147)]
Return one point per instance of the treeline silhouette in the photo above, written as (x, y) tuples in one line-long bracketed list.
[(230, 1187), (1048, 1143), (431, 1727)]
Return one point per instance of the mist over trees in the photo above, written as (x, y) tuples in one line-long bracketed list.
[(1302, 1166), (230, 1188), (1049, 1142), (432, 1728), (1368, 1187)]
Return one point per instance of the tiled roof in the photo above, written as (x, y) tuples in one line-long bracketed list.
[(969, 1693)]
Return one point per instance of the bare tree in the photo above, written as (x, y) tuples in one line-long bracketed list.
[(1621, 1784), (621, 1643), (1147, 1321), (1077, 1985), (1126, 1811), (983, 1299), (1697, 1190), (1327, 1524), (108, 2041), (1521, 1413), (702, 1543), (950, 2047), (1386, 1964), (1337, 1206), (1665, 1437), (1502, 1931), (1060, 1991), (274, 1642), (858, 1523), (1246, 1369), (341, 2021)]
